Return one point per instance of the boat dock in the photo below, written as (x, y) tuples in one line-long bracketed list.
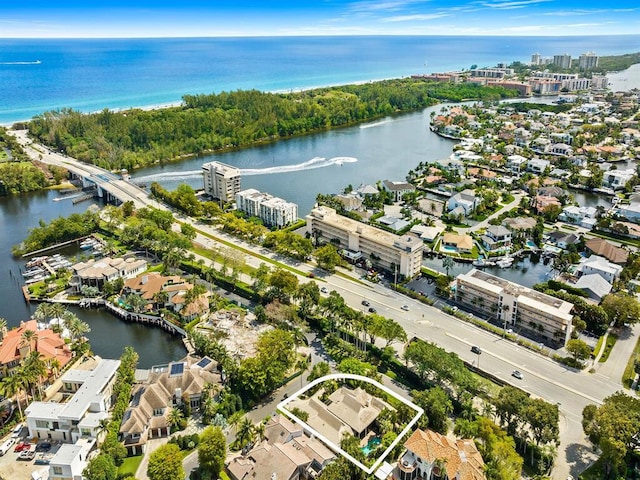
[(55, 247)]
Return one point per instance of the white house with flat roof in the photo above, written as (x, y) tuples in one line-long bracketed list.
[(70, 460), (79, 416)]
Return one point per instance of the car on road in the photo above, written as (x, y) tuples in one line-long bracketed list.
[(517, 374), (15, 433), (43, 447), (476, 349), (22, 446), (405, 308), (365, 303), (324, 290), (27, 455), (372, 310)]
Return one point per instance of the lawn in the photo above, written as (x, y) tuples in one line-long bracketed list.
[(130, 465), (611, 341), (629, 372)]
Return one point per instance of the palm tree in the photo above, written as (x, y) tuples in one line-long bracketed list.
[(245, 430), (57, 311), (447, 264), (43, 313), (29, 336), (259, 431), (175, 417), (11, 386), (103, 426), (53, 366), (234, 420), (35, 368), (3, 326)]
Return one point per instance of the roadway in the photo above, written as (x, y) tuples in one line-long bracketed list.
[(542, 377)]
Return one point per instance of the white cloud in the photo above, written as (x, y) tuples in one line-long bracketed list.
[(367, 6), (416, 17), (508, 5)]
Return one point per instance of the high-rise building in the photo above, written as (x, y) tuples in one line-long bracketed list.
[(587, 61), (536, 59), (396, 254), (562, 61), (221, 181), (273, 211)]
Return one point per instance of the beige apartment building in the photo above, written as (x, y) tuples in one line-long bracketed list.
[(397, 254), (515, 306), (221, 181)]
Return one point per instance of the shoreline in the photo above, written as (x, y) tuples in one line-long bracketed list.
[(175, 104), (178, 103)]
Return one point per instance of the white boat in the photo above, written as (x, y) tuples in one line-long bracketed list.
[(481, 263), (505, 262)]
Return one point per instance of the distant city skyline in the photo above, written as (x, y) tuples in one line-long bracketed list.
[(224, 18)]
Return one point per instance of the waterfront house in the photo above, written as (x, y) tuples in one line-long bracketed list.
[(496, 237), (617, 179), (13, 348), (432, 456), (537, 166), (465, 200), (583, 216), (164, 388), (562, 239), (606, 249), (594, 285), (170, 292), (456, 242), (96, 272), (428, 234), (629, 211), (349, 201), (601, 266), (543, 202), (91, 399), (398, 189)]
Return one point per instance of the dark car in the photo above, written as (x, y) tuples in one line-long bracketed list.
[(365, 303), (475, 349), (43, 447), (372, 310)]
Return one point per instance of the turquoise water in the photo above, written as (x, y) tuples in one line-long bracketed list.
[(38, 75), (447, 248), (371, 446)]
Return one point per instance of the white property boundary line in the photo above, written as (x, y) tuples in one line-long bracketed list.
[(336, 448)]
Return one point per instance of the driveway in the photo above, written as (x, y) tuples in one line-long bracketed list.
[(614, 367)]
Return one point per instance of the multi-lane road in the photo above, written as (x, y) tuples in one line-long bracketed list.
[(542, 377)]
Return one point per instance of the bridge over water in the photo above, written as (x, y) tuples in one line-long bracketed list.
[(110, 187)]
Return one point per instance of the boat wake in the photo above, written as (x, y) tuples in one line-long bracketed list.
[(37, 62), (376, 124), (316, 162)]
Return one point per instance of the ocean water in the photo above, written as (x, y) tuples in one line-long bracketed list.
[(88, 75)]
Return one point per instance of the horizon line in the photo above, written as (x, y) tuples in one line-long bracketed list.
[(156, 37)]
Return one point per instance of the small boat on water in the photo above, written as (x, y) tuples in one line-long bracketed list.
[(481, 263), (33, 272), (505, 262)]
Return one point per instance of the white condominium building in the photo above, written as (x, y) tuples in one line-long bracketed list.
[(221, 181), (587, 61), (273, 211), (400, 254), (515, 306)]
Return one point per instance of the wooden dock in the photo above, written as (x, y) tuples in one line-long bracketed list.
[(57, 246)]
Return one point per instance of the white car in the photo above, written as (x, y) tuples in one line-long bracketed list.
[(405, 308), (517, 374)]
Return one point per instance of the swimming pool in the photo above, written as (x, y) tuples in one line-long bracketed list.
[(370, 446), (447, 248)]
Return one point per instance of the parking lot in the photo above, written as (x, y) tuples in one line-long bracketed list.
[(13, 469)]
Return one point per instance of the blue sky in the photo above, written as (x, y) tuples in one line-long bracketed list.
[(211, 18)]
